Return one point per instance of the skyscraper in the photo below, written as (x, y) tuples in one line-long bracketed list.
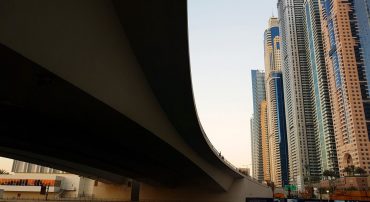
[(319, 88), (265, 143), (277, 131), (254, 154), (272, 50), (277, 140), (362, 9), (344, 57), (258, 88), (304, 162)]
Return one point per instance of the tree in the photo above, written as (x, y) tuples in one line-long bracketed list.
[(352, 167), (327, 174), (330, 174), (308, 192), (350, 170), (3, 172), (335, 174), (322, 190), (359, 171), (347, 170)]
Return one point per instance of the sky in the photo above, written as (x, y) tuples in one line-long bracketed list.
[(226, 42)]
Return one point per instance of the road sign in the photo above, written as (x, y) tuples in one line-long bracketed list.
[(290, 187)]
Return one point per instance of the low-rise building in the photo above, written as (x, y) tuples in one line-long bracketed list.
[(28, 179), (28, 185)]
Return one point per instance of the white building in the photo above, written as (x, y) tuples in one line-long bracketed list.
[(28, 185), (27, 180), (303, 160), (25, 167)]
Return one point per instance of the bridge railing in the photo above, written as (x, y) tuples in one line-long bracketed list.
[(218, 153), (227, 162)]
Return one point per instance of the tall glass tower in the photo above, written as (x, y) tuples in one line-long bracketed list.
[(362, 9), (258, 88), (303, 160), (265, 143), (277, 133), (324, 130)]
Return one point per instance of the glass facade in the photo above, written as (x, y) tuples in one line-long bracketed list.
[(362, 9), (277, 135), (362, 13), (282, 132), (325, 139), (259, 94), (303, 161)]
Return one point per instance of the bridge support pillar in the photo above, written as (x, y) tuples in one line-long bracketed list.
[(135, 191)]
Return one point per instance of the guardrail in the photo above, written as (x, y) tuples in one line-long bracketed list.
[(218, 153)]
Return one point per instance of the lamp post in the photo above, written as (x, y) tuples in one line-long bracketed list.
[(327, 191), (47, 192)]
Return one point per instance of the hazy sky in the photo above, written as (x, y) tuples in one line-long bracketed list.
[(226, 42)]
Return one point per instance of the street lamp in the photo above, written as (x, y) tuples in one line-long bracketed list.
[(327, 191)]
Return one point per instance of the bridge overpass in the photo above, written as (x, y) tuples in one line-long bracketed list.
[(103, 89)]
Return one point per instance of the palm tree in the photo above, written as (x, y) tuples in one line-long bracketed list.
[(359, 171), (352, 167), (350, 170), (326, 174), (330, 174)]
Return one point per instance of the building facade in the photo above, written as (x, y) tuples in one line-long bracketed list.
[(265, 143), (279, 156), (25, 167), (272, 47), (362, 8), (277, 140), (253, 148), (344, 57), (258, 89), (27, 183), (304, 162), (323, 121)]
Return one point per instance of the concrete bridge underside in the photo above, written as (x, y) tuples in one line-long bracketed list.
[(103, 89)]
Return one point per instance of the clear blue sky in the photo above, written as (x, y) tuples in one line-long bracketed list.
[(226, 42)]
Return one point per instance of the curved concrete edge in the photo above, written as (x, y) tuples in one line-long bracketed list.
[(164, 58), (87, 47)]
